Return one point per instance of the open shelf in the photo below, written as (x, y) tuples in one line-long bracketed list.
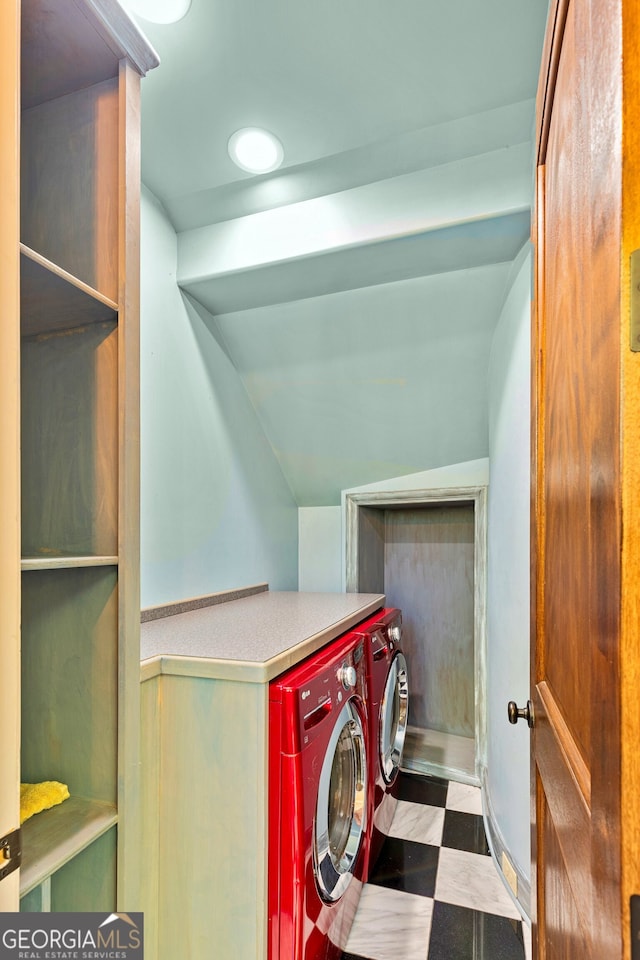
[(69, 184), (65, 563), (70, 679), (66, 47), (70, 443), (53, 299), (52, 838)]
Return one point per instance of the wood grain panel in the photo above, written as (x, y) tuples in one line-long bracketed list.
[(575, 766), (212, 789), (371, 534), (429, 575), (51, 299), (561, 769), (563, 911), (69, 184), (537, 550), (88, 882), (9, 435), (150, 824), (70, 443), (630, 590), (577, 515), (603, 381), (127, 468), (70, 679), (568, 428), (548, 73)]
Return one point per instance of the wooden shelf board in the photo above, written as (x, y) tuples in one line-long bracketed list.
[(66, 563), (52, 299), (52, 838)]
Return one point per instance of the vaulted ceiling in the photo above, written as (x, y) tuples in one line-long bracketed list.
[(329, 79), (407, 131)]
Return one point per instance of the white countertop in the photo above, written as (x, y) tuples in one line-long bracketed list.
[(252, 639)]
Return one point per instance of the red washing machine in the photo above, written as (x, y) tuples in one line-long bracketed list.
[(318, 801), (388, 713)]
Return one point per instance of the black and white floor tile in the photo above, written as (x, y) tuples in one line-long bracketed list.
[(435, 893)]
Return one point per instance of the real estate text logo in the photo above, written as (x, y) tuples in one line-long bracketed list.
[(71, 936)]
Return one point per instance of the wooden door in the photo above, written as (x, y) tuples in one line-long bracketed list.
[(9, 437), (585, 453)]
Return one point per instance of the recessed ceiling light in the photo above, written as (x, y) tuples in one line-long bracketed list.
[(158, 11), (255, 150)]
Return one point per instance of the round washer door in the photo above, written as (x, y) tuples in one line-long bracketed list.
[(393, 717), (342, 804)]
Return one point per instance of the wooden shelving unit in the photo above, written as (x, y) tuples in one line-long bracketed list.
[(77, 258)]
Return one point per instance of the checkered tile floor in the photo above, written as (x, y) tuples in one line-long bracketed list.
[(435, 893)]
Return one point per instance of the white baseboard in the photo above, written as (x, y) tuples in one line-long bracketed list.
[(498, 847)]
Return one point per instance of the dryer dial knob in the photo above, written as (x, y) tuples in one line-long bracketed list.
[(347, 676), (395, 633)]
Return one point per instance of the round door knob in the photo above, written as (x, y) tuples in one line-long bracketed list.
[(520, 713)]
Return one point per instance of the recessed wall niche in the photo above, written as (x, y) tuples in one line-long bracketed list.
[(426, 551)]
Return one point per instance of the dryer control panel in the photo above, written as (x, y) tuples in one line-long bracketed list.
[(315, 690)]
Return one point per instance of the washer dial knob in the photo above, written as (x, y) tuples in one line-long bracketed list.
[(347, 676), (395, 633)]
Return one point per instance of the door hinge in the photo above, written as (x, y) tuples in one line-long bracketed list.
[(634, 304), (10, 852)]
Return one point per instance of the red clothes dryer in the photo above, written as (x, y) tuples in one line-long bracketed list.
[(388, 713), (318, 801)]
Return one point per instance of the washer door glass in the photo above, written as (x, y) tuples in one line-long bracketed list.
[(393, 717), (342, 804)]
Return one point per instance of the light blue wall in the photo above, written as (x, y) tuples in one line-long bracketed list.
[(508, 568), (322, 538), (363, 385), (216, 511), (320, 549)]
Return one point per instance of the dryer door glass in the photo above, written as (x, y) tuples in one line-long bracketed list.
[(342, 794), (393, 717), (342, 804)]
